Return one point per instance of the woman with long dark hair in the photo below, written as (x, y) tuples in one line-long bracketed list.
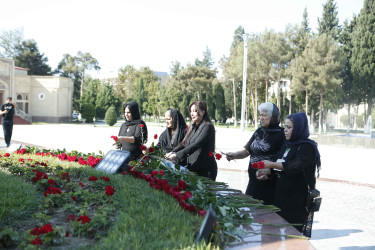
[(198, 146), (175, 131), (133, 132)]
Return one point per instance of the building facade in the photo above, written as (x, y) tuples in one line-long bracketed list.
[(39, 98)]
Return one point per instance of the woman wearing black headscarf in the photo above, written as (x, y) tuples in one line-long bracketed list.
[(174, 133), (133, 132), (263, 145), (297, 162)]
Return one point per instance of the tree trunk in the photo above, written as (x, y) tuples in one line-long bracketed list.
[(234, 104), (252, 101), (321, 113), (312, 128), (256, 105), (278, 94), (266, 89), (348, 125), (290, 104), (307, 102)]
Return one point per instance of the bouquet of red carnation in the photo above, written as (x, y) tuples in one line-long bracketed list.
[(115, 138), (258, 165)]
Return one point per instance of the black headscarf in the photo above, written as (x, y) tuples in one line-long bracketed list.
[(167, 142), (134, 110), (275, 121), (300, 134)]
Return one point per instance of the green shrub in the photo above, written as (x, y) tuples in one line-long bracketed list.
[(111, 116), (88, 112)]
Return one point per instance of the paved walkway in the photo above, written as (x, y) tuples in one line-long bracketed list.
[(347, 217)]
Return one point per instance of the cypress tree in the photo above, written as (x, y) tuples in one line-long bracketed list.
[(329, 24)]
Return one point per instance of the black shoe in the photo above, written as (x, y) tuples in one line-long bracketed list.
[(7, 145)]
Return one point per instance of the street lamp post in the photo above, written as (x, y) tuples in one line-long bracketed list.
[(243, 106)]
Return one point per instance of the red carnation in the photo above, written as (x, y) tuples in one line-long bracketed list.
[(81, 184), (114, 137), (37, 241), (47, 228), (109, 190), (71, 217), (141, 125), (124, 173), (93, 178), (260, 165), (155, 136), (84, 219), (218, 156), (254, 165), (104, 178), (181, 184), (210, 154), (51, 182), (74, 198), (151, 149), (143, 147), (202, 212)]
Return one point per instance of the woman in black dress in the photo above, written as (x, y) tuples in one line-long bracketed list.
[(198, 146), (263, 145), (297, 162), (133, 132), (174, 133)]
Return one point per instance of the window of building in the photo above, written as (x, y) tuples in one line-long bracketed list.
[(23, 101)]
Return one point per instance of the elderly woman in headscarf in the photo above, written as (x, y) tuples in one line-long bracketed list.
[(175, 131), (263, 145), (133, 132), (296, 164)]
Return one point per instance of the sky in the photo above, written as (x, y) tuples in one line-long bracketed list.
[(153, 33)]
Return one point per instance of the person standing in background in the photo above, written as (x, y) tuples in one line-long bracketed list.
[(8, 111)]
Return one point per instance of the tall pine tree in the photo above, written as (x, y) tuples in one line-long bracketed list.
[(329, 24)]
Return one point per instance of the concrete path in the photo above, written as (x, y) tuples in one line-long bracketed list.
[(347, 217)]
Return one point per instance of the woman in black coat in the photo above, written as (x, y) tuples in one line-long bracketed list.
[(133, 132), (198, 146), (263, 145), (174, 133), (297, 162)]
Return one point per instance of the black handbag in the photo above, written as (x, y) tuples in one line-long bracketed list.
[(314, 199)]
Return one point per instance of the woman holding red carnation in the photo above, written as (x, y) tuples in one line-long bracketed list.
[(133, 132), (297, 162), (263, 145), (199, 143), (175, 131)]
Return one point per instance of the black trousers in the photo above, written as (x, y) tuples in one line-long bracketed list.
[(8, 129)]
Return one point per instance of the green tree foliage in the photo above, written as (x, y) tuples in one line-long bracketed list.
[(75, 68), (9, 40), (28, 56), (220, 102), (88, 112), (143, 86), (92, 87), (329, 23), (323, 62), (106, 98), (207, 61), (175, 68), (237, 37), (363, 53), (111, 116)]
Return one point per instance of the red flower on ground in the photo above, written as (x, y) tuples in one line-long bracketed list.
[(93, 178), (35, 231), (155, 136), (114, 137), (218, 156), (109, 190), (37, 241), (84, 219), (141, 125), (74, 198), (7, 155), (71, 217), (210, 154), (104, 178), (47, 228), (51, 182), (124, 173), (81, 184), (202, 212), (181, 184), (67, 234)]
